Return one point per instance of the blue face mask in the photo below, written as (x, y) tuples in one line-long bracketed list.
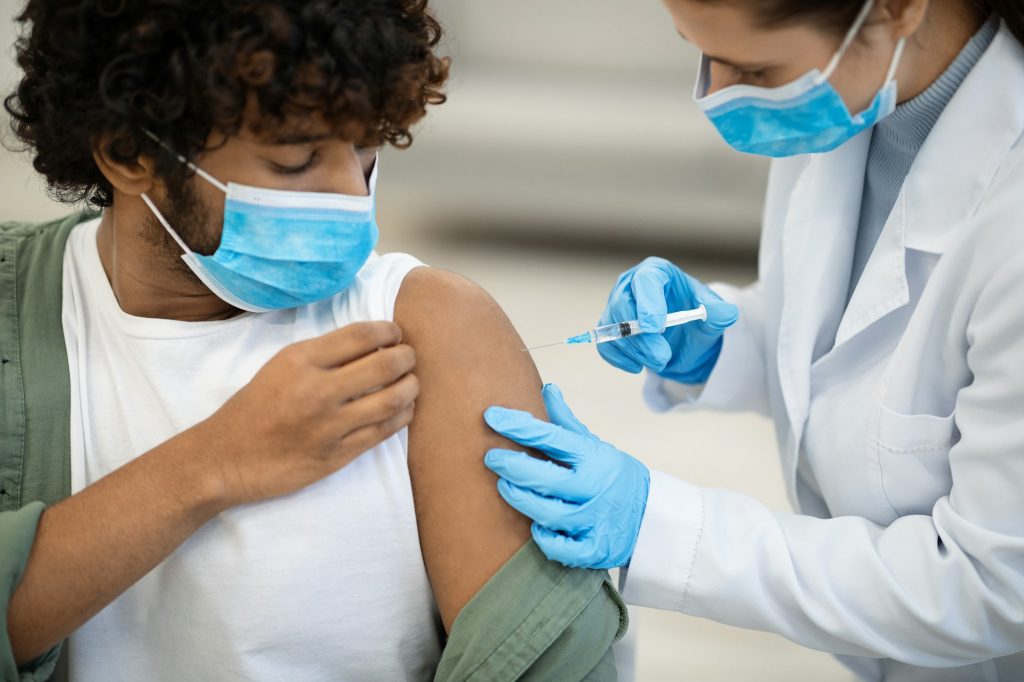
[(283, 249), (806, 116)]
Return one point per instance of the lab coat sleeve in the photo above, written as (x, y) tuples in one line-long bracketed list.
[(937, 590), (738, 382)]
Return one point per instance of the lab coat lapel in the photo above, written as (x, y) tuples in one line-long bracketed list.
[(945, 185), (883, 285), (819, 233)]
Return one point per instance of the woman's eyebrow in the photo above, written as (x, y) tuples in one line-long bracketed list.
[(729, 62)]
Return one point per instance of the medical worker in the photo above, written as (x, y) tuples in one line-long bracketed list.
[(885, 337)]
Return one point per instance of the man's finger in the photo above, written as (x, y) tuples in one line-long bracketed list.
[(379, 406), (368, 373), (349, 343)]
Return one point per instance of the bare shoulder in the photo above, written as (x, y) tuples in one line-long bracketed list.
[(454, 325), (439, 303), (466, 346), (469, 356)]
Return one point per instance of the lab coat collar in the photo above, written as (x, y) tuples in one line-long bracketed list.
[(947, 182), (957, 163), (945, 186)]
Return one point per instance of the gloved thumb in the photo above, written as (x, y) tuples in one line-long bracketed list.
[(648, 285), (721, 315), (559, 413)]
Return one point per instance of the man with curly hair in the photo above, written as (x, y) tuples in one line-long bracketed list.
[(209, 465)]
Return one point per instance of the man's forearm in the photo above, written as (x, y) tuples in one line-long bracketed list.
[(93, 546)]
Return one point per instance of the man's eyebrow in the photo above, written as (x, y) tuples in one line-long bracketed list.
[(728, 62), (298, 138)]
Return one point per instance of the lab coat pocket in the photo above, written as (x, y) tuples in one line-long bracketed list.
[(913, 456)]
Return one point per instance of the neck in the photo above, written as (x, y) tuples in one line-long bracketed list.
[(148, 279), (946, 28)]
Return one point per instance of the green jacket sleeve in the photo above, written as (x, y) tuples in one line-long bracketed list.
[(536, 620), (17, 533)]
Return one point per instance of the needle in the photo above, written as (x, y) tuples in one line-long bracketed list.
[(550, 345)]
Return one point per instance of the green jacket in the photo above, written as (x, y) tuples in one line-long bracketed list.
[(534, 620)]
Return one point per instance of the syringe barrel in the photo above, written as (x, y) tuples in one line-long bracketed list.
[(614, 332)]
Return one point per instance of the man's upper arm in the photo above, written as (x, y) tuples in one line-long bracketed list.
[(469, 357)]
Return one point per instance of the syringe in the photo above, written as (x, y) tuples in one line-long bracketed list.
[(622, 330)]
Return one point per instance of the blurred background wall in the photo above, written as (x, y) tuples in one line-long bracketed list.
[(575, 117), (570, 149)]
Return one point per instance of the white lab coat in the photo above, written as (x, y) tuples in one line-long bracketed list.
[(912, 555)]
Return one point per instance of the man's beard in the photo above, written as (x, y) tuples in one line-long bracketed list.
[(190, 219)]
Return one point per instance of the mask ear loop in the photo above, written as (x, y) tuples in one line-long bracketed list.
[(191, 166), (896, 58), (851, 35), (163, 221), (198, 171)]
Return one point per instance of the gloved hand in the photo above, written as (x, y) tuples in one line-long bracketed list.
[(586, 514), (648, 293)]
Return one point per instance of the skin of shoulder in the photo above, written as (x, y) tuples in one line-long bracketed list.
[(469, 357)]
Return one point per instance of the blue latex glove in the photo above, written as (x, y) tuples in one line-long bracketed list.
[(648, 293), (586, 514)]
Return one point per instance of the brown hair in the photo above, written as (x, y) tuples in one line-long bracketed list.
[(112, 69)]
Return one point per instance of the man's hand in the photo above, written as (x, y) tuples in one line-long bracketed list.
[(312, 409)]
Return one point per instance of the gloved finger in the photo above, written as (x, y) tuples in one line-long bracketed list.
[(617, 357), (559, 412), (645, 348), (558, 547), (525, 429), (536, 475), (621, 306), (549, 512), (657, 351), (649, 283), (721, 315)]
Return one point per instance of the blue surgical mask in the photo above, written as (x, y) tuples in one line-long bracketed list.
[(283, 249), (806, 116)]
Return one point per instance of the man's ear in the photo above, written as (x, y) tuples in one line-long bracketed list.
[(132, 178)]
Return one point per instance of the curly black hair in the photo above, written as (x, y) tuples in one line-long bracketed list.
[(106, 71)]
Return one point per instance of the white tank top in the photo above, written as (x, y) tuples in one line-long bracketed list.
[(324, 584)]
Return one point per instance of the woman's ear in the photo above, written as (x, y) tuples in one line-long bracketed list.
[(906, 16), (132, 177)]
